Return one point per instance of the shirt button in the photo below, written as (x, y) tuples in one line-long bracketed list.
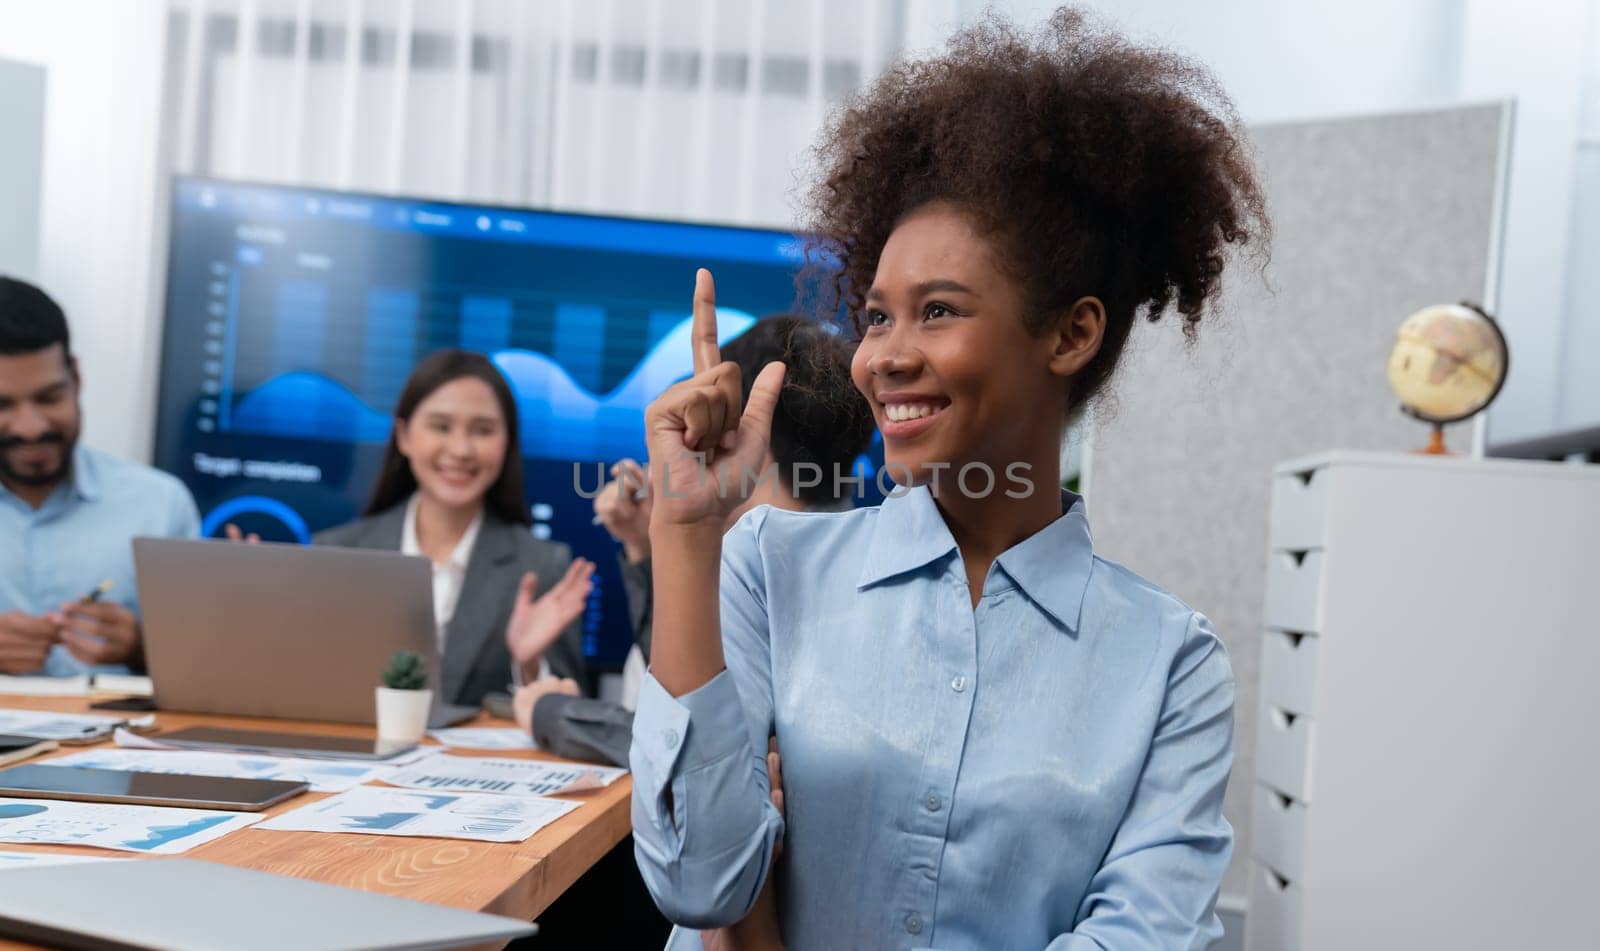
[(670, 737), (933, 802), (913, 924), (959, 684)]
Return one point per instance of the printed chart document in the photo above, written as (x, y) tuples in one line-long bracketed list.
[(374, 811), (323, 775), (519, 777), (158, 830), (62, 727), (485, 738)]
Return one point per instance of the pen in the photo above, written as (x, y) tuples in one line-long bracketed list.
[(96, 593)]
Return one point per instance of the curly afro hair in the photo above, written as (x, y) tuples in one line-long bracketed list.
[(1097, 168)]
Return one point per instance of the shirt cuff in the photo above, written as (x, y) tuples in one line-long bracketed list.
[(674, 737), (683, 734)]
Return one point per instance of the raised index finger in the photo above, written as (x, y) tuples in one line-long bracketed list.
[(704, 329)]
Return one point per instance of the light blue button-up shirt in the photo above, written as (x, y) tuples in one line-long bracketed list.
[(81, 536), (1045, 771)]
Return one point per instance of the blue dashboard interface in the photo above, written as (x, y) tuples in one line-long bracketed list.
[(293, 317)]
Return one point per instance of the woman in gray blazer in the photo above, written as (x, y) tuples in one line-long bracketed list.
[(508, 606)]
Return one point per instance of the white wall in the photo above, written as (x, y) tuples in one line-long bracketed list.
[(1580, 343), (1535, 53), (22, 87), (1284, 61), (103, 60), (1295, 60)]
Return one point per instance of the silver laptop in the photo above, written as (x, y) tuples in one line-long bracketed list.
[(186, 905), (282, 630)]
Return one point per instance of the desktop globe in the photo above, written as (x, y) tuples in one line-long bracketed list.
[(1448, 363)]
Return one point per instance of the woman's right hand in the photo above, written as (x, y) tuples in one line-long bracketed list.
[(234, 535), (706, 448), (627, 518), (537, 623)]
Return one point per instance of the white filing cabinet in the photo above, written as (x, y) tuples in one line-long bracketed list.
[(1428, 747)]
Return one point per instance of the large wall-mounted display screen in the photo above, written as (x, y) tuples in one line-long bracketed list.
[(293, 317)]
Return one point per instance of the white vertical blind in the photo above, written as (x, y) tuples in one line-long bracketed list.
[(249, 19), (750, 108), (700, 137), (189, 101), (348, 94), (670, 108), (556, 192), (294, 135), (461, 101), (646, 130), (399, 99)]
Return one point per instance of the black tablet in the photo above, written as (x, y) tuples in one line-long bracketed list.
[(42, 781), (313, 745)]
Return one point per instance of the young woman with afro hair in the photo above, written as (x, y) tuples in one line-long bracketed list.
[(990, 737)]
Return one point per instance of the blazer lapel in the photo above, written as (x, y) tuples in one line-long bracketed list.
[(483, 605), (384, 530)]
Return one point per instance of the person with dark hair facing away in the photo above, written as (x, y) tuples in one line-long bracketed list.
[(822, 425), (991, 736), (68, 602), (508, 606)]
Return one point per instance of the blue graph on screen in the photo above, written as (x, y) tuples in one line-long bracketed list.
[(560, 417)]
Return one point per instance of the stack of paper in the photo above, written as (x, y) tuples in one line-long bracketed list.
[(45, 686), (81, 685), (124, 685)]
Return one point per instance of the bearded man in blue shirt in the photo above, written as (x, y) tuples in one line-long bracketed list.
[(68, 603)]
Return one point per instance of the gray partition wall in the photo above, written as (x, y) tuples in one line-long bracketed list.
[(1375, 217)]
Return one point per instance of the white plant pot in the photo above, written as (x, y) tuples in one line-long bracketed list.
[(403, 714)]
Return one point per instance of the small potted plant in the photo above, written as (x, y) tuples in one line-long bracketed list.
[(404, 700)]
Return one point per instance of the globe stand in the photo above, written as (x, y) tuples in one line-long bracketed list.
[(1435, 445)]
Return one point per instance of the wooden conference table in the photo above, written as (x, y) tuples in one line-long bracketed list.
[(516, 879)]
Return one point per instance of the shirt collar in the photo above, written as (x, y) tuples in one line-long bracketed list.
[(463, 550), (1051, 567), (908, 533), (85, 481)]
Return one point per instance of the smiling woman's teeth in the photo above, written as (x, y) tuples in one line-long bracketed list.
[(900, 412)]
